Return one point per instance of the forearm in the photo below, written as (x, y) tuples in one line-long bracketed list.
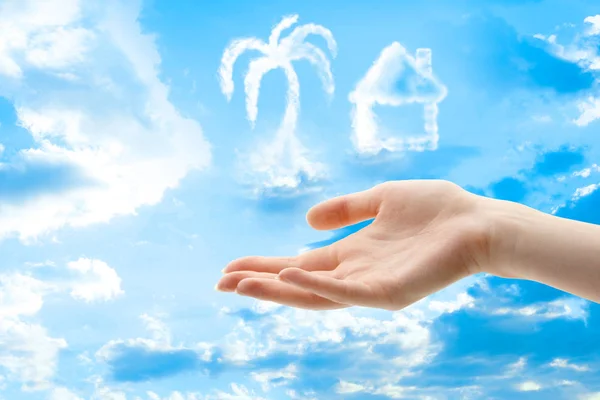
[(558, 252)]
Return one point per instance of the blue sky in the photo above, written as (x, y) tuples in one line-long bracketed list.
[(131, 173)]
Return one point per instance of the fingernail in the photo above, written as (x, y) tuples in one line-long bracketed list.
[(217, 288)]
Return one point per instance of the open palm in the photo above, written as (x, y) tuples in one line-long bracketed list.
[(425, 236)]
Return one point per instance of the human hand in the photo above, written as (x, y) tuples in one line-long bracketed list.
[(426, 235)]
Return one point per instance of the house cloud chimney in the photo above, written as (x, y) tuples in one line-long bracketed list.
[(423, 61)]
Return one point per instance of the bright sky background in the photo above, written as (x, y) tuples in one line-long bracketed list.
[(128, 181)]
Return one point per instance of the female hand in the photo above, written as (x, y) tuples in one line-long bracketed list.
[(426, 234)]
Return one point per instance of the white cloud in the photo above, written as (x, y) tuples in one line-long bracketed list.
[(590, 396), (568, 308), (584, 51), (40, 264), (59, 48), (581, 50), (589, 111), (97, 281), (586, 172), (393, 391), (41, 34), (528, 386), (380, 87), (585, 191), (160, 339), (565, 382), (448, 300), (159, 331), (564, 363), (113, 123), (463, 300), (344, 387), (295, 330), (21, 295), (580, 192), (106, 393), (61, 393), (238, 392), (275, 378), (517, 367), (389, 390), (175, 396), (28, 353), (594, 22), (280, 165)]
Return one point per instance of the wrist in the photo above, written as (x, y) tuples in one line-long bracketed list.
[(505, 224), (523, 243)]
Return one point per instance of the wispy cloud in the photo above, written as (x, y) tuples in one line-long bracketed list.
[(517, 367), (395, 79), (567, 308), (281, 166), (564, 363)]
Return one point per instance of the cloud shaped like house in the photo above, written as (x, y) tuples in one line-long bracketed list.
[(396, 78)]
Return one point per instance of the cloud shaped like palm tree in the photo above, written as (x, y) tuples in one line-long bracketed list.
[(280, 53)]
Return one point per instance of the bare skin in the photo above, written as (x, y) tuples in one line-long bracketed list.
[(426, 235)]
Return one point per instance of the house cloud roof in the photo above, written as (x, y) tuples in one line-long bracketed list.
[(398, 78)]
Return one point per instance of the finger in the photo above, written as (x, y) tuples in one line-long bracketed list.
[(320, 259), (229, 282), (336, 290), (284, 293), (345, 210)]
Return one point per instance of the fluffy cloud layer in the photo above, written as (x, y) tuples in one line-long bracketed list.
[(107, 140)]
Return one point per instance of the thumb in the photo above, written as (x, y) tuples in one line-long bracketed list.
[(346, 210)]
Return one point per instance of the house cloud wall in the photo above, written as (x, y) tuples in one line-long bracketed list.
[(423, 61)]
